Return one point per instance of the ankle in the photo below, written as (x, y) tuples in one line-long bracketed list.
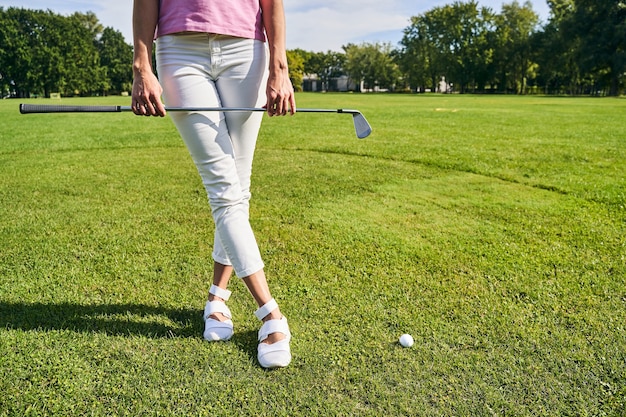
[(213, 297), (274, 315), (218, 294)]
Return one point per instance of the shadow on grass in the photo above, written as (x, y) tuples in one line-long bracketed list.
[(115, 320), (110, 319)]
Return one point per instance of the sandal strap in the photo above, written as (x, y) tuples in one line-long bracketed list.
[(274, 326), (266, 309), (220, 292), (216, 307)]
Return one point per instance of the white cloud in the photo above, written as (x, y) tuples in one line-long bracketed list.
[(325, 28), (327, 25)]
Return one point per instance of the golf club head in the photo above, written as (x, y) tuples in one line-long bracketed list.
[(361, 126)]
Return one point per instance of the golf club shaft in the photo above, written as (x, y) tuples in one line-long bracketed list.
[(56, 108), (361, 126)]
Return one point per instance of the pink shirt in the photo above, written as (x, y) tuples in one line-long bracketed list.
[(241, 18)]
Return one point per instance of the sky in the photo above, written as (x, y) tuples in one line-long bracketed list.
[(318, 26)]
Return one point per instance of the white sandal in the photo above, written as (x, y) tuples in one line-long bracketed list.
[(215, 330), (278, 354)]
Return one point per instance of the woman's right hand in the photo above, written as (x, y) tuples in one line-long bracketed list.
[(146, 95)]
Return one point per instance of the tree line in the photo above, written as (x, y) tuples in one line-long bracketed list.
[(581, 49), (42, 52)]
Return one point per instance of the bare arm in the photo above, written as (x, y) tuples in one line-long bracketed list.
[(146, 95), (280, 95)]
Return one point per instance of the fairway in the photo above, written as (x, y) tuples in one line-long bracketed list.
[(490, 228)]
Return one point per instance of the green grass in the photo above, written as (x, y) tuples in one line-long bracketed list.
[(490, 228)]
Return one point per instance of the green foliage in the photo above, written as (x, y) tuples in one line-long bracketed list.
[(326, 65), (560, 71), (372, 64), (580, 50), (470, 47), (296, 69), (515, 27), (43, 52), (491, 228), (475, 49), (601, 30), (116, 56), (452, 41)]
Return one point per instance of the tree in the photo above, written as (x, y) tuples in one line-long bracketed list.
[(441, 38), (296, 69), (76, 66), (372, 65), (43, 52), (452, 41), (15, 53), (419, 58), (89, 21), (467, 30), (554, 51), (600, 26), (327, 65), (116, 57), (515, 27)]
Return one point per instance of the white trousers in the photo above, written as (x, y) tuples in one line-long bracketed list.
[(207, 70)]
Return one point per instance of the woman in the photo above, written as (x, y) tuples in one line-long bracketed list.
[(213, 54)]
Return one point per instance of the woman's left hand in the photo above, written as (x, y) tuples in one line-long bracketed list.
[(280, 96)]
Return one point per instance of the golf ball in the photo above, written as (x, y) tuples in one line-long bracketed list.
[(406, 340)]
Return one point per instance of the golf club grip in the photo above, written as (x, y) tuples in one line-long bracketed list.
[(56, 108)]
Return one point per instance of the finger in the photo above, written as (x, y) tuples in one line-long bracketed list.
[(271, 109), (284, 106), (273, 99), (139, 109), (154, 106), (278, 110), (292, 104), (160, 108), (150, 109)]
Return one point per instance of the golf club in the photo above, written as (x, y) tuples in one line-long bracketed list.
[(361, 126)]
